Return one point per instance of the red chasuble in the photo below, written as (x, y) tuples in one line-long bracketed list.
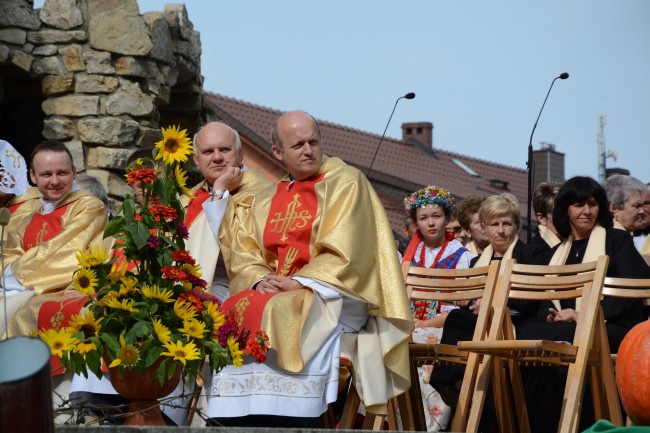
[(288, 235), (12, 208)]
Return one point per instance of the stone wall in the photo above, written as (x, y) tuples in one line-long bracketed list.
[(106, 78)]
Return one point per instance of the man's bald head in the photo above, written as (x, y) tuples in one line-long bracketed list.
[(216, 147), (297, 142)]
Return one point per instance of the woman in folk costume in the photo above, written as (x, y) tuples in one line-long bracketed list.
[(500, 217), (433, 247), (581, 216)]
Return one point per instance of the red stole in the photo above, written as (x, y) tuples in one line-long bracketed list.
[(42, 228), (287, 233), (13, 207), (195, 207)]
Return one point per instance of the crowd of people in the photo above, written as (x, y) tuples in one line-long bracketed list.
[(312, 261)]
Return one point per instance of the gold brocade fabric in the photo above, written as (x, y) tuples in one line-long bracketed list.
[(29, 203), (353, 250), (239, 206), (202, 242), (49, 267)]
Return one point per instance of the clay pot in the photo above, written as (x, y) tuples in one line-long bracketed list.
[(144, 390)]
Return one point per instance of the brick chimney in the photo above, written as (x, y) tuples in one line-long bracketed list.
[(548, 164), (421, 131)]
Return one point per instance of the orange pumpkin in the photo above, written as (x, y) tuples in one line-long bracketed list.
[(633, 373)]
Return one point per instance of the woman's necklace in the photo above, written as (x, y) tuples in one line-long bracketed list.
[(437, 259), (579, 250)]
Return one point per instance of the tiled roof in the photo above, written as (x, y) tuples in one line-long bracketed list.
[(404, 166)]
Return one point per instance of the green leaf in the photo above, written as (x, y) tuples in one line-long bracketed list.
[(128, 208), (115, 226), (111, 341), (139, 233), (94, 363)]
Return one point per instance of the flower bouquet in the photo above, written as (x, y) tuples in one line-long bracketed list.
[(145, 301)]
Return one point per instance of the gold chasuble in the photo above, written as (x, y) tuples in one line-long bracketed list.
[(41, 250), (332, 228), (202, 242)]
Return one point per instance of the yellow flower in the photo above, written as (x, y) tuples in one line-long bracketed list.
[(191, 269), (180, 352), (175, 145), (127, 286), (181, 179), (86, 324), (163, 333), (85, 280), (95, 255), (236, 353), (184, 310), (118, 269), (124, 304), (193, 328), (218, 318), (84, 347), (59, 341), (128, 355), (154, 292)]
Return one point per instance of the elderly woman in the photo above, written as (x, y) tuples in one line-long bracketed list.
[(581, 215), (500, 217)]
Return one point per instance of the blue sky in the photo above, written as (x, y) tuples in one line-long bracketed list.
[(480, 69)]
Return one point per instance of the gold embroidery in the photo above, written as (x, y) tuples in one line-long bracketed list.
[(286, 270), (291, 220), (12, 153), (39, 236), (57, 319), (240, 307)]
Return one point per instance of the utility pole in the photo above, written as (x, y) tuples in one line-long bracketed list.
[(602, 153)]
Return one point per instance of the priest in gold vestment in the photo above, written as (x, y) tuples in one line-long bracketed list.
[(318, 253), (41, 244)]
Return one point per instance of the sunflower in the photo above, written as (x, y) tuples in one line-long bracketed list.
[(124, 304), (118, 269), (59, 341), (235, 352), (163, 333), (184, 310), (193, 328), (128, 355), (93, 256), (175, 145), (181, 180), (154, 292), (127, 286), (180, 352), (218, 318), (85, 280), (86, 324)]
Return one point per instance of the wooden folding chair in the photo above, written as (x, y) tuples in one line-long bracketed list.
[(601, 370), (446, 285), (581, 281)]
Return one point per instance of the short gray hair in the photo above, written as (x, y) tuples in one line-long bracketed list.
[(93, 186), (234, 131), (619, 186)]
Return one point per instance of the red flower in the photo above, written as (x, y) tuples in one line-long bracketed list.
[(172, 273), (183, 256), (193, 300), (257, 346), (165, 212), (141, 175)]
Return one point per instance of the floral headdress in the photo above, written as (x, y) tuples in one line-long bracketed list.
[(429, 195)]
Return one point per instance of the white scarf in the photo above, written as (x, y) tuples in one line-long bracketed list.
[(548, 236), (486, 256), (595, 249)]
